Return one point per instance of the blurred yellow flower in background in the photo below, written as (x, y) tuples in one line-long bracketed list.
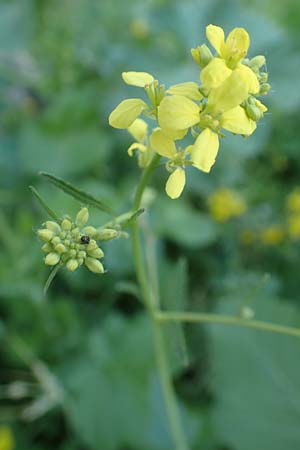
[(272, 235), (293, 201), (6, 438), (225, 203), (293, 226)]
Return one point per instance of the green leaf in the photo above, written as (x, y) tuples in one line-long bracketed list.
[(44, 205), (181, 223), (76, 193), (114, 396), (256, 381)]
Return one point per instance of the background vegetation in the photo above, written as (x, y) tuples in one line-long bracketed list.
[(77, 367)]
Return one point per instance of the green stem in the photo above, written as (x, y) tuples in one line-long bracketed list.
[(147, 296), (170, 316)]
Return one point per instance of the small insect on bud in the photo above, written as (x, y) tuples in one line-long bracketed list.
[(85, 239)]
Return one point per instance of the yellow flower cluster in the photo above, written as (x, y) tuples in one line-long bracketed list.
[(224, 99), (6, 438), (224, 204)]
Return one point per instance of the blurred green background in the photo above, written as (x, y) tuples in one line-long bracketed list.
[(77, 366)]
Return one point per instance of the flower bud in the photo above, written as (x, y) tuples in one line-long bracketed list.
[(47, 247), (264, 89), (92, 245), (263, 77), (82, 217), (56, 240), (201, 55), (106, 234), (94, 265), (72, 265), (66, 225), (52, 259), (45, 235), (253, 112), (257, 62), (96, 253), (60, 248), (53, 226)]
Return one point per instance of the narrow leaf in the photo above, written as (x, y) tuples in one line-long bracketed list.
[(124, 220), (51, 278), (44, 204), (76, 193)]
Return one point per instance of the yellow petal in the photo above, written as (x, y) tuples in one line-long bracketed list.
[(139, 79), (205, 150), (175, 183), (237, 121), (177, 113), (138, 130), (231, 93), (175, 134), (236, 45), (215, 35), (249, 77), (162, 144), (215, 73), (126, 112), (189, 90), (136, 146)]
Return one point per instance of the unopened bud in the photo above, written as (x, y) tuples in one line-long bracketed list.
[(66, 225), (56, 240), (60, 248), (96, 253), (45, 235), (53, 226), (106, 234), (264, 88), (47, 247), (263, 77), (82, 217), (94, 265), (92, 245), (72, 265), (52, 259), (257, 62), (253, 112), (202, 55)]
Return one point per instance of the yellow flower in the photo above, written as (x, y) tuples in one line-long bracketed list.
[(230, 53), (272, 235), (293, 226), (139, 79), (6, 438), (166, 147), (126, 112), (139, 131), (293, 201), (224, 204)]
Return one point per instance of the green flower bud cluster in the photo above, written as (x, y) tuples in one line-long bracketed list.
[(72, 244)]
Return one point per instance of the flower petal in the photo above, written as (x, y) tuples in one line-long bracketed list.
[(136, 146), (205, 150), (215, 35), (177, 113), (189, 90), (236, 45), (139, 79), (138, 130), (175, 183), (237, 121), (126, 112), (231, 93), (215, 73), (249, 77), (162, 144)]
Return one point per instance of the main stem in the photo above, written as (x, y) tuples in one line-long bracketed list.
[(147, 296)]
